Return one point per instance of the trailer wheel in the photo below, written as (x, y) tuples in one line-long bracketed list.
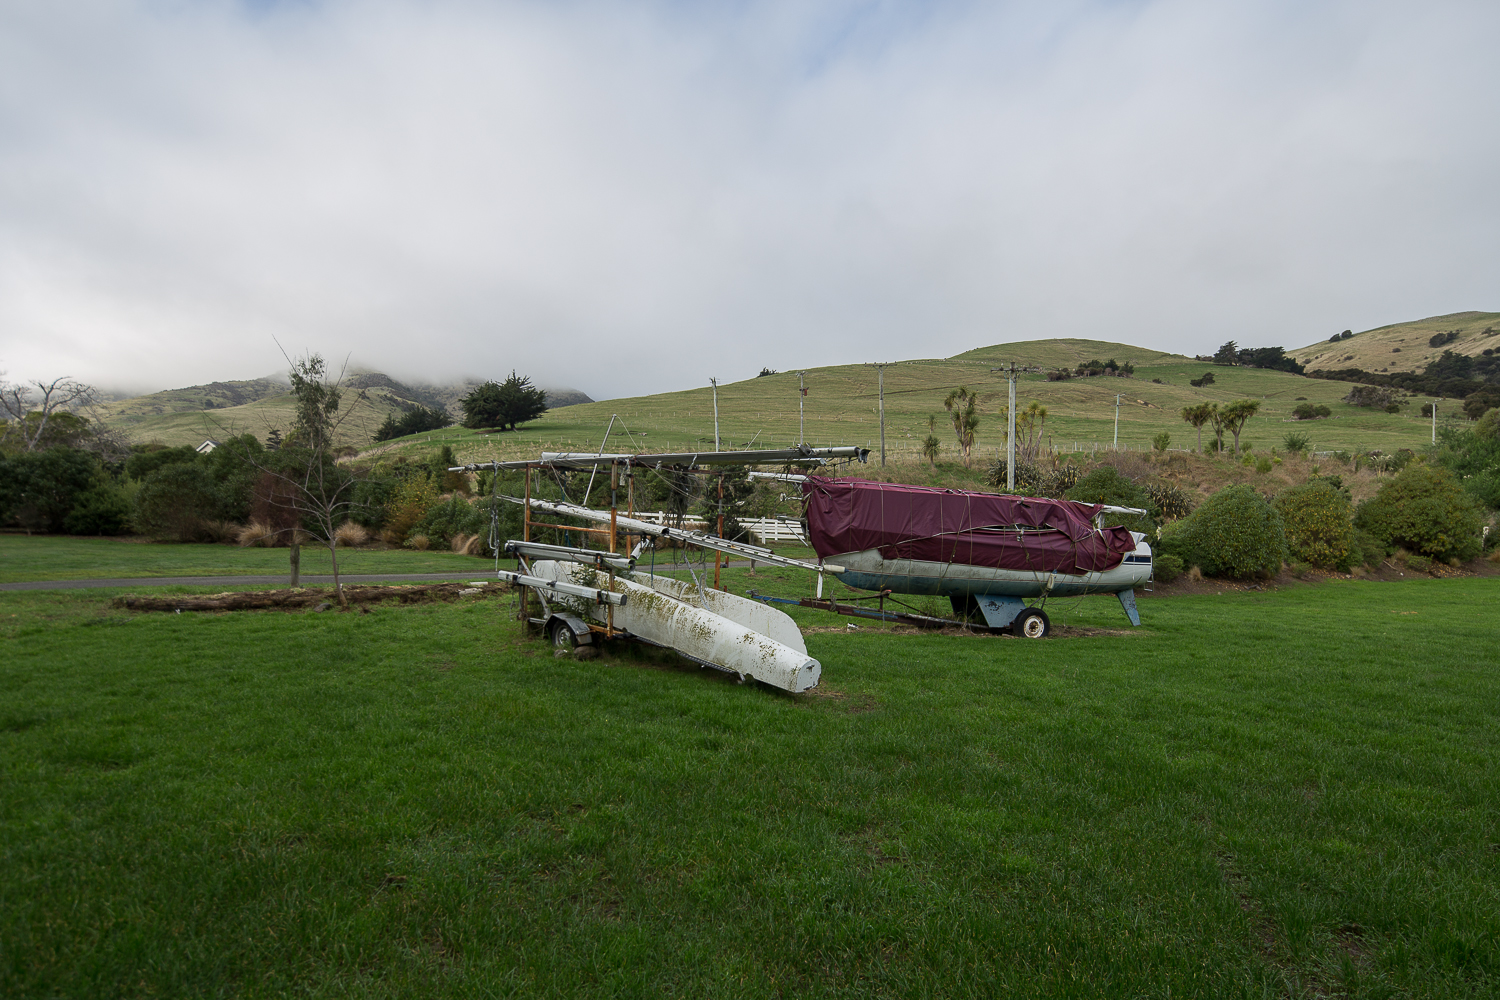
[(1031, 624), (563, 637)]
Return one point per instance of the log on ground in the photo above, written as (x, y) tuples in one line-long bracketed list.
[(305, 597)]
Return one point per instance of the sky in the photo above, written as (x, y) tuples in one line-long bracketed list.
[(629, 198)]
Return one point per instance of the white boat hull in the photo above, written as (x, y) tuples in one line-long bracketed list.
[(867, 570), (722, 630)]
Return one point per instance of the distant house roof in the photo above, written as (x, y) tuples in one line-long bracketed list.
[(207, 446)]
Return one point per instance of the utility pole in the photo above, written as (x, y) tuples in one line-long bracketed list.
[(879, 367), (1010, 429), (715, 383), (1010, 434), (801, 421), (1117, 421)]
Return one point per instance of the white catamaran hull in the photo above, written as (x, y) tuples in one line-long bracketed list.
[(722, 630), (867, 570)]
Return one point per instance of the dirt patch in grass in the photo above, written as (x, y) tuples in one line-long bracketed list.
[(853, 703)]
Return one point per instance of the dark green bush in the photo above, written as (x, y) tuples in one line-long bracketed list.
[(1318, 518), (454, 516), (1474, 457), (412, 422), (177, 502), (1369, 549), (39, 489), (103, 510), (457, 516), (1425, 510), (234, 466), (1167, 567), (1029, 479), (1235, 534), (1419, 564), (1105, 485), (146, 459)]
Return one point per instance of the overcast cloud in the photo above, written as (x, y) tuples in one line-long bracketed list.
[(633, 197)]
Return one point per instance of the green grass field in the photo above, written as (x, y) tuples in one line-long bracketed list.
[(49, 557), (1286, 793)]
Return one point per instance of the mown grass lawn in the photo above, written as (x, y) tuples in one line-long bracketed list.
[(1258, 794), (59, 557)]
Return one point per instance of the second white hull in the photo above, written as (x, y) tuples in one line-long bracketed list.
[(726, 631)]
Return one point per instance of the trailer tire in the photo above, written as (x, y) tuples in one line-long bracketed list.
[(563, 637), (1031, 624)]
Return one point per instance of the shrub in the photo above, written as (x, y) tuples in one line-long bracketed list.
[(1263, 465), (1028, 478), (412, 422), (1105, 485), (1167, 567), (1060, 480), (39, 489), (1296, 441), (418, 542), (1236, 534), (1161, 441), (178, 502), (1488, 428), (448, 518), (468, 545), (1319, 524), (351, 533), (1377, 396), (1171, 503), (103, 510), (1425, 510), (406, 504), (1368, 549), (256, 533), (146, 459)]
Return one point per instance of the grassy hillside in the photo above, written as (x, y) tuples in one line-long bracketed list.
[(1064, 352), (219, 409), (841, 408), (142, 420), (1403, 347), (196, 399)]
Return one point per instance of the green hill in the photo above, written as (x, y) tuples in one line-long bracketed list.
[(841, 407), (1065, 352), (1404, 347), (257, 406)]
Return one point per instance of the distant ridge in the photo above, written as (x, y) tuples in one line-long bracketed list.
[(1403, 347), (190, 414)]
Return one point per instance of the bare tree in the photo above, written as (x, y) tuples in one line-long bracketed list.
[(301, 481), (30, 406)]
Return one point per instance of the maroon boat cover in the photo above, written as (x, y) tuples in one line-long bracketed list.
[(976, 529)]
